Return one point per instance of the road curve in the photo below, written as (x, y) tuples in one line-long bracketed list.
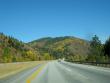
[(63, 72)]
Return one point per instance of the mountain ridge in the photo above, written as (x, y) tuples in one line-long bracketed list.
[(58, 44)]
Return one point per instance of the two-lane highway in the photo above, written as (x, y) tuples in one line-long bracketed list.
[(62, 72)]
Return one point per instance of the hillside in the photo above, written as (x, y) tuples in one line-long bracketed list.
[(12, 50), (68, 47)]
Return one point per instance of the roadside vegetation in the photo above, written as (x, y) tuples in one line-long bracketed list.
[(99, 52)]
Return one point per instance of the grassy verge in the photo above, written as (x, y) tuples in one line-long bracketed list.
[(7, 69)]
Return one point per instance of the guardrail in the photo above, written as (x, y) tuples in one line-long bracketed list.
[(103, 64)]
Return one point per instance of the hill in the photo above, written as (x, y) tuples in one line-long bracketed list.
[(68, 47), (12, 50)]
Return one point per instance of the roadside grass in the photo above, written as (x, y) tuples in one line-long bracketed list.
[(7, 69)]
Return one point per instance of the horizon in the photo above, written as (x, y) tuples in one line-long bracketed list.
[(28, 20)]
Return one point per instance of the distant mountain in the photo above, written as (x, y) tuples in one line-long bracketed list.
[(68, 47)]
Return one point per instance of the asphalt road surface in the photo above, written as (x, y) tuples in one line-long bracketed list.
[(61, 72)]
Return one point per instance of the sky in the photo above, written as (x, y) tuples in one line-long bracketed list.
[(28, 20)]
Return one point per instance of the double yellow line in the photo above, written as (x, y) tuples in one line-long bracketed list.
[(35, 74)]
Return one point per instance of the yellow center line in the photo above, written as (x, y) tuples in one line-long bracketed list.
[(35, 74)]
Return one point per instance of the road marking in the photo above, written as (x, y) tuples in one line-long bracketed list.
[(35, 74)]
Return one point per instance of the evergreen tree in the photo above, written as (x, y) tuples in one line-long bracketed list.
[(95, 50), (107, 48)]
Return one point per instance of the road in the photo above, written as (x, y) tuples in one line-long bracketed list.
[(61, 72)]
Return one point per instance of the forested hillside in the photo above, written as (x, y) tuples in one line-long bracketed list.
[(73, 48), (12, 50), (68, 47)]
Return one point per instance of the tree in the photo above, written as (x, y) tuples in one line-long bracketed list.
[(95, 49), (31, 55), (107, 48), (7, 57), (47, 56)]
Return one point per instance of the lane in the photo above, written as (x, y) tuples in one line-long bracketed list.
[(64, 72)]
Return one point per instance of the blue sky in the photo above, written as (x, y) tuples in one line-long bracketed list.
[(28, 20)]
